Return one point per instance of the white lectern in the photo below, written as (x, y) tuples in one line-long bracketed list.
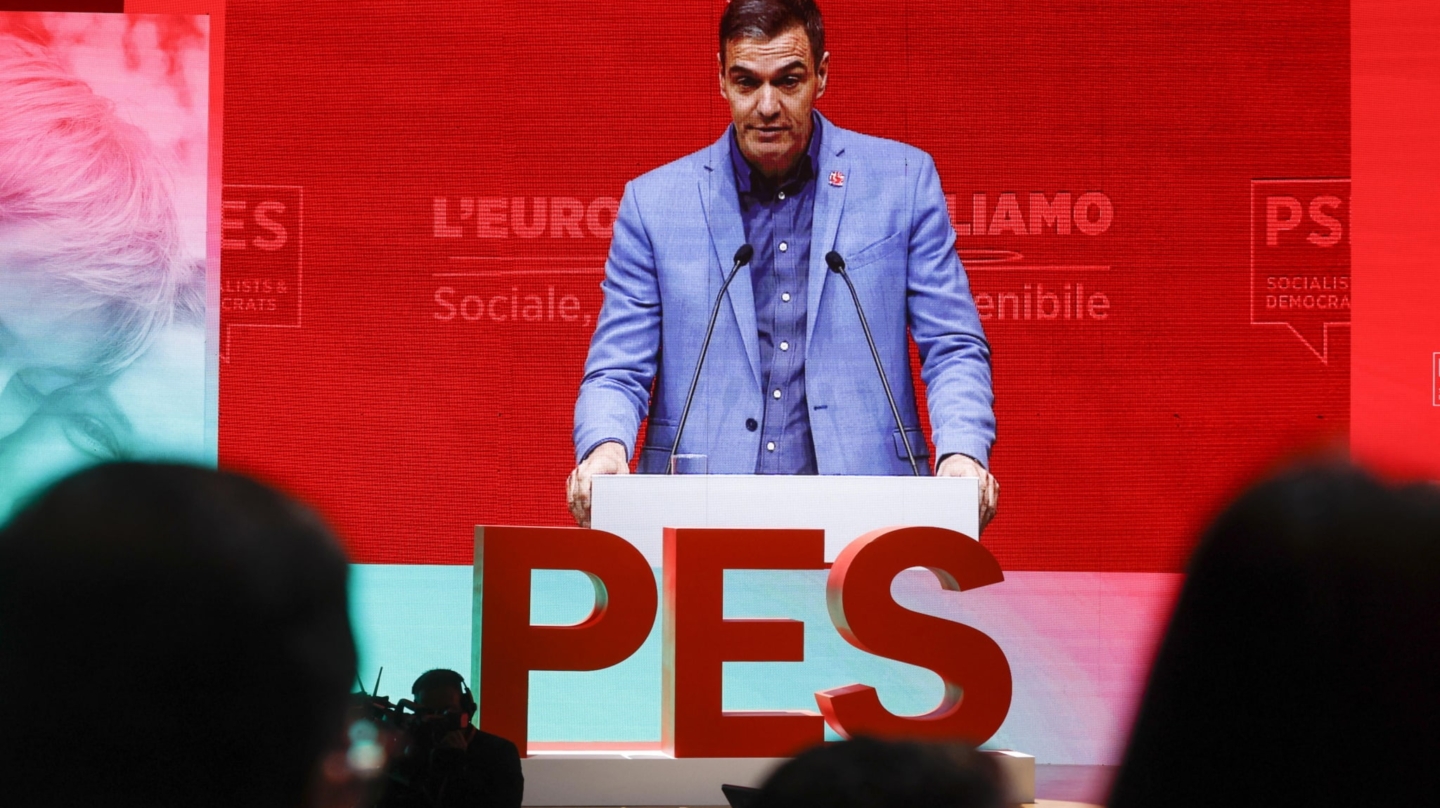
[(638, 508)]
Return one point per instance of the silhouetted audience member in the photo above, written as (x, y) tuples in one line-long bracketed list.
[(449, 763), (1302, 664), (869, 773), (169, 637)]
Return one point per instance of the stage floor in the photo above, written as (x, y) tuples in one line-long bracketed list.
[(1062, 786), (1036, 804), (1055, 787)]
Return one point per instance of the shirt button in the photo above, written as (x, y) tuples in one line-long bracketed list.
[(777, 392), (783, 245), (784, 346), (785, 297), (782, 196), (770, 447), (752, 424)]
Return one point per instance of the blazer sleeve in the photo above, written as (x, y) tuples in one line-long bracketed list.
[(615, 392), (954, 354)]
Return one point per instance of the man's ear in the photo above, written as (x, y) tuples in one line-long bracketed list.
[(822, 72), (720, 63)]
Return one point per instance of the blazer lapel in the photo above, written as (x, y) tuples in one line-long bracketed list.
[(831, 181), (721, 201)]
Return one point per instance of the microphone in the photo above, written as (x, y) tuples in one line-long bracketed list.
[(837, 265), (742, 257)]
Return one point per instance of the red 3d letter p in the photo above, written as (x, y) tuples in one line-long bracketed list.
[(509, 647), (974, 669)]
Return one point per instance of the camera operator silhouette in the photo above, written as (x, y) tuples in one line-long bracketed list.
[(448, 763)]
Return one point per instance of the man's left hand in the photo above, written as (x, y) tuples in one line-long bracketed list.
[(959, 465)]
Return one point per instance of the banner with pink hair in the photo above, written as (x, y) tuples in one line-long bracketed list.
[(104, 166)]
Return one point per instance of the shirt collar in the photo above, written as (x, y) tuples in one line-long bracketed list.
[(746, 177)]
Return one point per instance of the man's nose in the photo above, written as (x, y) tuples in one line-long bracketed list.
[(769, 103)]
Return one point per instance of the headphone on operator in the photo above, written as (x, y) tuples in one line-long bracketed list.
[(448, 678)]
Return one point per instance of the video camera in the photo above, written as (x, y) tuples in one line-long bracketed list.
[(411, 737), (423, 727)]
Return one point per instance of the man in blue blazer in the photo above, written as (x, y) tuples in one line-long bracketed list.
[(789, 385)]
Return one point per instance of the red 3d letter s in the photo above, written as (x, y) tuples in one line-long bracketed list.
[(974, 669)]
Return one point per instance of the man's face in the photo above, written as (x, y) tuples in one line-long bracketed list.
[(772, 85), (439, 699)]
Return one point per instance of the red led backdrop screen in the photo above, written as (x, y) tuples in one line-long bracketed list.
[(1152, 203)]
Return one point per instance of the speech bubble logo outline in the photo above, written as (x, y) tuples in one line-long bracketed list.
[(247, 194), (1310, 327)]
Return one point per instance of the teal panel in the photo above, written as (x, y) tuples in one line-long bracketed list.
[(409, 619)]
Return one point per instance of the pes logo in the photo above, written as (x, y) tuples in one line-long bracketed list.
[(697, 639), (261, 243), (1300, 257)]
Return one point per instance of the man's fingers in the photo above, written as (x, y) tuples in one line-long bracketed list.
[(582, 478), (989, 491), (989, 499), (582, 499), (577, 496), (570, 490)]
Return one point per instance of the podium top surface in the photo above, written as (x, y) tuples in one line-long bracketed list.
[(638, 507)]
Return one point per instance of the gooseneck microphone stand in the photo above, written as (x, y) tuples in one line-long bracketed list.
[(837, 265), (742, 257)]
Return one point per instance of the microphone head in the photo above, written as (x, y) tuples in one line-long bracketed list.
[(834, 261), (744, 254)]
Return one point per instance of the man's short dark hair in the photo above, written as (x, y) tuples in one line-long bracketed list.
[(767, 19), (169, 636), (870, 773), (439, 677)]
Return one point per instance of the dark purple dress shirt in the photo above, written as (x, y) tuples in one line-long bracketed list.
[(778, 220)]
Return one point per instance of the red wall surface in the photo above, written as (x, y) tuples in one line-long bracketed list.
[(1396, 385), (358, 135)]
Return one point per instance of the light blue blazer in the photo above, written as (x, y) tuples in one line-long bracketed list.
[(879, 204)]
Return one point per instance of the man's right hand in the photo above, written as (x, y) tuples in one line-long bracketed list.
[(607, 458)]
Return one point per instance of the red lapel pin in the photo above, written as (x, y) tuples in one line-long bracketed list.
[(837, 179)]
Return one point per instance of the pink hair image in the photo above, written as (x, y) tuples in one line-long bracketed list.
[(92, 200)]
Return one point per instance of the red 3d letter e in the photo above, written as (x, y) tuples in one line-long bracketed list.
[(699, 640)]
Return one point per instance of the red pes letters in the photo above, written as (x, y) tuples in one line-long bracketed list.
[(697, 640)]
